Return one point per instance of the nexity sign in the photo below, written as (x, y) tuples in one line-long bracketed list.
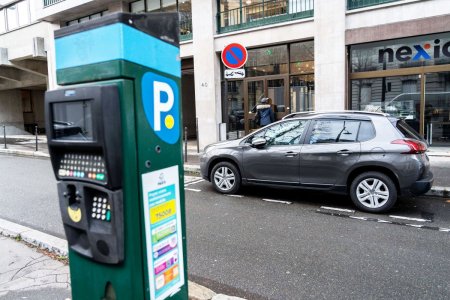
[(425, 51)]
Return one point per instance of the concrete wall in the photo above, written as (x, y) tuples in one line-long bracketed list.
[(207, 71), (11, 112), (329, 54)]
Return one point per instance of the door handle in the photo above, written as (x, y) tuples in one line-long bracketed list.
[(291, 154), (344, 152)]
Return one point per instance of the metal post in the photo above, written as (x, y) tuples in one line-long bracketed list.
[(4, 135), (185, 144), (196, 134), (36, 133)]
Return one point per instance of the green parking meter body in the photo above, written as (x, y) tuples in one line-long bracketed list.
[(114, 136)]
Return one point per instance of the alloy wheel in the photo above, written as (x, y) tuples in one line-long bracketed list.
[(372, 193), (224, 178)]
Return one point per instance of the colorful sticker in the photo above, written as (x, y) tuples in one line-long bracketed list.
[(163, 232)]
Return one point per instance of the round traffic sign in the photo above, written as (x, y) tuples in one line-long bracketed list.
[(234, 56)]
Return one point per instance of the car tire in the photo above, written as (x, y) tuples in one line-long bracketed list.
[(373, 192), (225, 178)]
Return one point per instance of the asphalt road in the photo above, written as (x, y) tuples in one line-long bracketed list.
[(249, 247)]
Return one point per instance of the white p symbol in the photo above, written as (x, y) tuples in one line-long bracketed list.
[(159, 107)]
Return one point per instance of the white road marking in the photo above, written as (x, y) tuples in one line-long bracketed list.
[(383, 221), (192, 190), (237, 196), (338, 209), (359, 218), (194, 182), (415, 225), (277, 201), (444, 229), (409, 219)]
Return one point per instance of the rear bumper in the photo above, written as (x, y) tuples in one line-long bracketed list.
[(423, 185)]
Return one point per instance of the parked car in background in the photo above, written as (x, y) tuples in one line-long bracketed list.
[(372, 157)]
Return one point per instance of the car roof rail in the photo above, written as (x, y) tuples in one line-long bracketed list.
[(324, 112)]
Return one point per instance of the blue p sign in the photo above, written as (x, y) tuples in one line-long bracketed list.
[(160, 100)]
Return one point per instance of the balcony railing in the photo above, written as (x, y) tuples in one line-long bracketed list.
[(185, 26), (51, 2), (265, 13), (354, 4)]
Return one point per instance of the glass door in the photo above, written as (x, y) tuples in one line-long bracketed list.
[(437, 109), (277, 92), (275, 88), (254, 90)]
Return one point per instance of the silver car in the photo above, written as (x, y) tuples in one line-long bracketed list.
[(373, 157)]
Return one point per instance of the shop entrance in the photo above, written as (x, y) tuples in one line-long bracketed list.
[(274, 87)]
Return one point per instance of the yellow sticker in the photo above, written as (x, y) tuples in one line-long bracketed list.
[(163, 211), (74, 214)]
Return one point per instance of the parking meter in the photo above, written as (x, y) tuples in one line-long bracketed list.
[(114, 137)]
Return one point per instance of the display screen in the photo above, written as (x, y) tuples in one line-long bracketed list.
[(73, 120)]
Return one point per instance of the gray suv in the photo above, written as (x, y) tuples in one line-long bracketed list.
[(373, 157)]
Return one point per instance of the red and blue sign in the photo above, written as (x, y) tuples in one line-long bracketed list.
[(234, 56)]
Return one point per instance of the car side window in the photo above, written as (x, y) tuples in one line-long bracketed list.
[(366, 131), (334, 131), (285, 133)]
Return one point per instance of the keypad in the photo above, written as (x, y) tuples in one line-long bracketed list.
[(84, 166), (101, 209)]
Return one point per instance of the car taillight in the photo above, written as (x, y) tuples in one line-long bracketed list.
[(415, 147)]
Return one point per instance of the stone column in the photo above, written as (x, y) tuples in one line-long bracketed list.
[(207, 71), (329, 54)]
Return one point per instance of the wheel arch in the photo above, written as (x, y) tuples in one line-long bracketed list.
[(382, 169), (219, 159)]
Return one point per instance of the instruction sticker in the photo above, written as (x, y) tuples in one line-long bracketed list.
[(161, 190)]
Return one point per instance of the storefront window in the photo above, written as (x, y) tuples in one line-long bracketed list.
[(235, 106), (302, 57), (402, 53), (267, 61), (302, 93), (398, 96)]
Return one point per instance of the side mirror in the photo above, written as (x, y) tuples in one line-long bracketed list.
[(259, 142)]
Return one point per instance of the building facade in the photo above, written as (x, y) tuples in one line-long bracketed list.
[(384, 55)]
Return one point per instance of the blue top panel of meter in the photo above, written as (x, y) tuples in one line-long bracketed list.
[(116, 41)]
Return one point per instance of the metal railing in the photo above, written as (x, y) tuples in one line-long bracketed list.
[(260, 14), (354, 4), (51, 2), (185, 27)]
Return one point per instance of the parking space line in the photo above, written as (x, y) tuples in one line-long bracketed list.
[(419, 226), (192, 190), (237, 196), (193, 182), (277, 201), (409, 219), (337, 209)]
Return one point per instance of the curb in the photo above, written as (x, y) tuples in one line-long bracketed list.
[(59, 246)]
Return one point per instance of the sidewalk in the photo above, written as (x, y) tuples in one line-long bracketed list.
[(33, 265)]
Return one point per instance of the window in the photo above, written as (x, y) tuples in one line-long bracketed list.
[(23, 13), (11, 17), (2, 21), (302, 57), (366, 131), (285, 133), (138, 6), (334, 131), (87, 18), (267, 61)]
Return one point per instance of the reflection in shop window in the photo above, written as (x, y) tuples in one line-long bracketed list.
[(267, 61)]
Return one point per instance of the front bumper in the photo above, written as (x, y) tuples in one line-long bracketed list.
[(423, 185)]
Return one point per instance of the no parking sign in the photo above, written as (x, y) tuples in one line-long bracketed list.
[(234, 56)]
